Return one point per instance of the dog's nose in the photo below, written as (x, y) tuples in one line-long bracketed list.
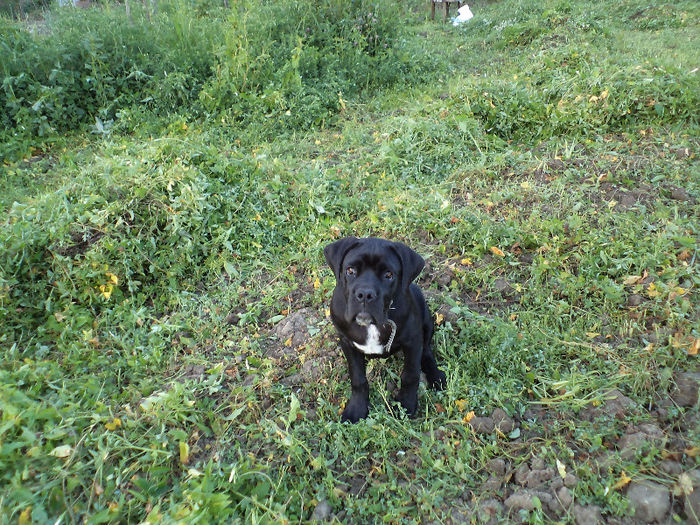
[(366, 295)]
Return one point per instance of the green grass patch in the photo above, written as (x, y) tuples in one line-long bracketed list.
[(168, 187)]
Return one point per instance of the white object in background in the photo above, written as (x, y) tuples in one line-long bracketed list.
[(465, 14)]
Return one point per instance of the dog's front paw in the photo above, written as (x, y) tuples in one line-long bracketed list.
[(409, 402), (438, 381), (354, 411)]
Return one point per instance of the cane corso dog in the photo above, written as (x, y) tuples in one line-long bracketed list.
[(378, 310)]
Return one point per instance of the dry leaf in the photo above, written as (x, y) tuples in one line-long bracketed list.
[(497, 251), (684, 487), (468, 417), (622, 482), (692, 451), (693, 350), (439, 318)]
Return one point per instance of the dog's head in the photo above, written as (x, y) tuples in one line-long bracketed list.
[(371, 273)]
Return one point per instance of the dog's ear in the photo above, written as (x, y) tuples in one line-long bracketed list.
[(411, 263), (335, 253)]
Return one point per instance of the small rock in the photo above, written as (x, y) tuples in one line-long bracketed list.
[(322, 511), (564, 497), (496, 466), (686, 392), (672, 468), (650, 501), (587, 515), (570, 480), (692, 500), (482, 425), (537, 478), (634, 300), (502, 421), (521, 474), (523, 499)]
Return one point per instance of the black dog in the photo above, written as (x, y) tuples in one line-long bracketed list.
[(377, 311)]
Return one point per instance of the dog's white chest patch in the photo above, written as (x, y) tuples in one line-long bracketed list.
[(372, 344)]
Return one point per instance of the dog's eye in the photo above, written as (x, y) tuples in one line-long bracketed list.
[(350, 271), (389, 275)]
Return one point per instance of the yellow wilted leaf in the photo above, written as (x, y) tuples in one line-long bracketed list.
[(604, 95), (497, 251), (468, 417), (693, 350), (317, 284), (25, 516), (466, 261), (106, 290), (622, 482), (288, 342), (461, 404), (439, 318), (113, 278), (652, 291), (561, 468), (114, 424), (591, 335), (184, 453)]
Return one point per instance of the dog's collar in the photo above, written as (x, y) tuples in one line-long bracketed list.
[(387, 346)]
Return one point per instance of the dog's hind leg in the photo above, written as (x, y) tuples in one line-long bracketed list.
[(437, 380)]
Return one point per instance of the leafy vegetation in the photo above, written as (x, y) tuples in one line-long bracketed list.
[(170, 179)]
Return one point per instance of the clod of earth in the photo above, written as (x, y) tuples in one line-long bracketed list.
[(502, 421), (645, 434), (691, 504), (322, 512), (686, 392), (587, 515), (496, 466), (296, 326)]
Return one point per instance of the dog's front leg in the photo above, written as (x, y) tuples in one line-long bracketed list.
[(410, 377), (357, 406)]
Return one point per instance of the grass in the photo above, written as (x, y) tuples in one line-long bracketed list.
[(545, 165)]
